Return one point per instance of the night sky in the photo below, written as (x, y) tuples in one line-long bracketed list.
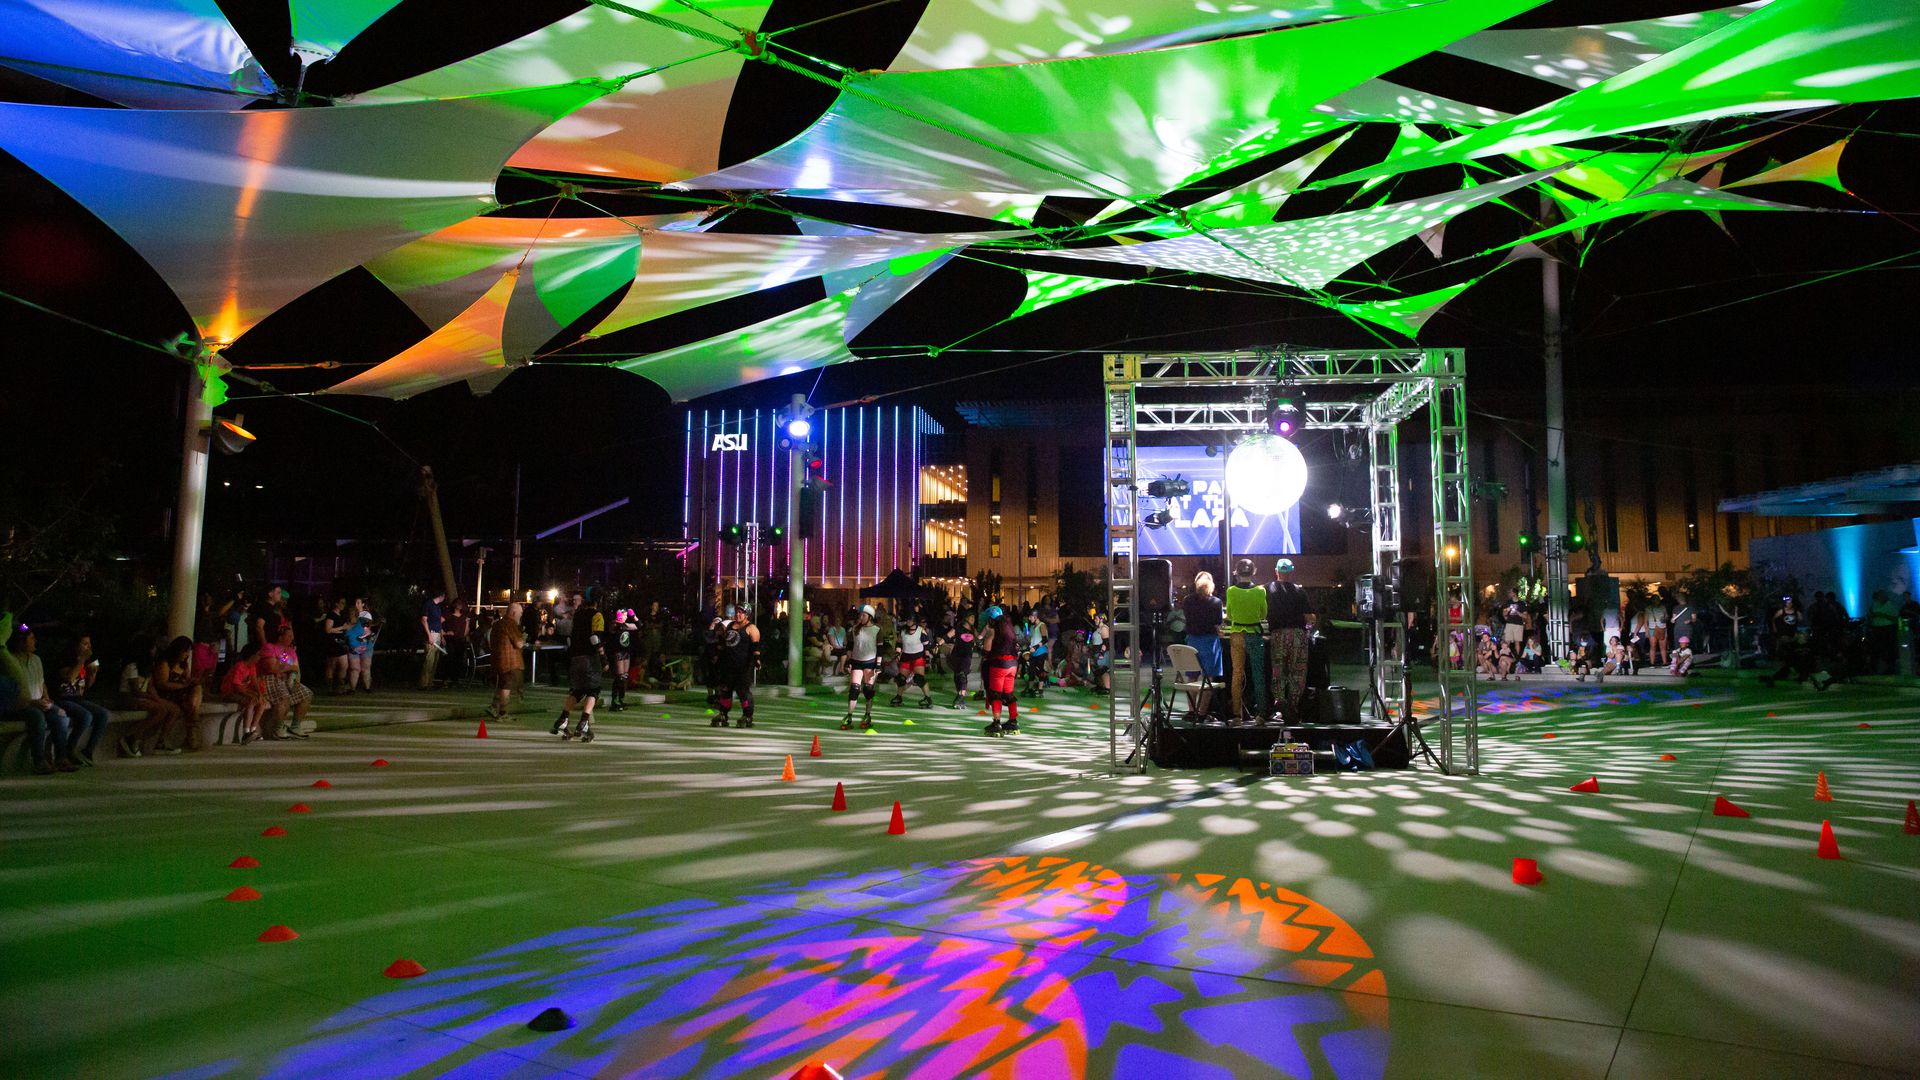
[(1655, 308)]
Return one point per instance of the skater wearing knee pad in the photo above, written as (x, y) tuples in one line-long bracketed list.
[(960, 639), (1002, 650), (738, 657), (863, 665), (913, 661)]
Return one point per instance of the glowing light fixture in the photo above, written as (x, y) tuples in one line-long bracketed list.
[(230, 437), (1334, 510), (1266, 475)]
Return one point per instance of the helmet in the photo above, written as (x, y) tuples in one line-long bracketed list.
[(1284, 566), (994, 612), (1685, 640), (867, 610), (1243, 570)]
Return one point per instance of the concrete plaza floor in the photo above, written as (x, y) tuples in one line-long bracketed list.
[(696, 916)]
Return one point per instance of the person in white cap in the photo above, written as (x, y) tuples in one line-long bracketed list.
[(863, 666)]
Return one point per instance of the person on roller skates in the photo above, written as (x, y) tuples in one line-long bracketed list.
[(960, 638), (1038, 655), (583, 668), (620, 646), (738, 658), (913, 642), (863, 666), (1002, 651)]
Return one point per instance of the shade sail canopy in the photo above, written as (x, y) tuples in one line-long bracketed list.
[(241, 212), (810, 337), (467, 349)]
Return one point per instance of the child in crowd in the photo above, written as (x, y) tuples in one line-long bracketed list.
[(242, 686), (1682, 657), (1616, 661), (1532, 661)]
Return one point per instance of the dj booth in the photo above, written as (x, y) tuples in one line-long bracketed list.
[(1178, 743)]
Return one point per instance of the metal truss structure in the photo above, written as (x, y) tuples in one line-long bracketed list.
[(1378, 390)]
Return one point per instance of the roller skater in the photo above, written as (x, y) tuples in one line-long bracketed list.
[(863, 667), (1038, 655), (1002, 650), (960, 636), (620, 645), (583, 669), (739, 658), (913, 662)]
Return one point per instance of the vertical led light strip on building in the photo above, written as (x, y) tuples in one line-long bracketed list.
[(841, 547), (720, 483), (755, 455), (686, 480), (739, 466), (895, 545), (859, 487)]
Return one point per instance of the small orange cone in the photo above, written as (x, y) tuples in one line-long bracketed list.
[(1696, 704), (1548, 735), (1588, 786), (1722, 807), (379, 763), (1668, 757), (299, 808), (321, 783), (404, 968), (1829, 847), (1864, 724), (1527, 872), (244, 862), (1773, 714), (815, 752), (839, 797), (1820, 792), (982, 712), (1913, 819), (273, 830), (482, 733), (814, 1070), (787, 773), (244, 892), (278, 933), (898, 826)]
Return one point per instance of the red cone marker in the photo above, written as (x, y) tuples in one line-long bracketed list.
[(244, 862), (1527, 872), (244, 892), (321, 783), (815, 752), (299, 808), (273, 830), (898, 826), (1723, 808), (839, 797), (1588, 786), (1829, 847), (278, 933), (404, 968), (379, 763)]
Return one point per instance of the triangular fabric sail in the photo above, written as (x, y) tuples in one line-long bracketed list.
[(876, 295), (1134, 124), (1672, 195), (1405, 314), (163, 54), (663, 125), (810, 337), (466, 348), (1308, 253), (1251, 203), (241, 212), (679, 271), (1579, 56), (1615, 175), (1820, 167), (1791, 54), (1045, 290), (330, 24)]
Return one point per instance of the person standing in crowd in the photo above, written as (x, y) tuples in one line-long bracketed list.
[(87, 720), (362, 630), (912, 668), (1099, 654), (456, 631), (863, 666), (172, 703), (738, 660), (333, 644), (1883, 634), (509, 663), (620, 645), (1039, 652), (1287, 610), (243, 686), (960, 640), (287, 696), (268, 616), (1204, 613), (47, 731), (1685, 620), (837, 645), (1246, 619), (1001, 649), (433, 624), (1657, 626), (1910, 615), (589, 628)]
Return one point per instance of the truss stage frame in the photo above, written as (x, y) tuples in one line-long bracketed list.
[(1389, 387)]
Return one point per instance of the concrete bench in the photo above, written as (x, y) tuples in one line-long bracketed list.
[(219, 723)]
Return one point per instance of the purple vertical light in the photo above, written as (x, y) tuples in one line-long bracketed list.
[(739, 465), (859, 485), (755, 454), (840, 459), (686, 480), (720, 472)]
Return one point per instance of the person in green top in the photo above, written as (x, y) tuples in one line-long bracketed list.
[(1246, 643)]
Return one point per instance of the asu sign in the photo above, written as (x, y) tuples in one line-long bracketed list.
[(724, 442)]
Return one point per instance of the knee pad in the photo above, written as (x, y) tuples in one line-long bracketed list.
[(867, 691), (919, 680), (852, 691)]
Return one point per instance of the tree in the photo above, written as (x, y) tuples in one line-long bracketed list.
[(1740, 595), (1079, 593)]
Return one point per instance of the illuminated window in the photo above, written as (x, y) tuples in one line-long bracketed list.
[(1649, 498), (1690, 499), (993, 504)]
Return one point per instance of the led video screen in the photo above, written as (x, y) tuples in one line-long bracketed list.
[(1195, 528)]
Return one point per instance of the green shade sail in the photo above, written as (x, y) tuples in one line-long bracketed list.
[(1405, 314), (810, 337)]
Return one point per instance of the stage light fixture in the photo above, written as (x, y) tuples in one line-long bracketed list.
[(1453, 551), (1266, 475), (799, 428), (1212, 450), (1159, 519), (230, 437), (1334, 510), (1175, 488)]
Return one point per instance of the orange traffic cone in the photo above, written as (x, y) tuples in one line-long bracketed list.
[(1820, 792), (839, 797), (1668, 757), (404, 968), (1722, 807), (482, 733), (244, 862), (787, 773), (1773, 714), (278, 933), (814, 1070), (1527, 872), (1548, 735), (815, 752), (1913, 819), (273, 830), (299, 808), (379, 763), (1864, 724), (1829, 847), (321, 783), (1588, 786), (898, 826), (244, 892)]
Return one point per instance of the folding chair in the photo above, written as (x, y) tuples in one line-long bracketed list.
[(1183, 662)]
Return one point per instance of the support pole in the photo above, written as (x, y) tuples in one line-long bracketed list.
[(431, 492), (516, 533), (796, 557), (1556, 409), (190, 515)]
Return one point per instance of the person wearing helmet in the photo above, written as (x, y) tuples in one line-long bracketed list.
[(1246, 641), (863, 666), (738, 658), (912, 645), (1287, 611), (620, 646), (960, 639), (585, 640), (1038, 653), (1682, 656), (1002, 650)]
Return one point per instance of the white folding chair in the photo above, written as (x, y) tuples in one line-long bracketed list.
[(1188, 675)]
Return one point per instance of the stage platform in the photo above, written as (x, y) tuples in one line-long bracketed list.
[(695, 916)]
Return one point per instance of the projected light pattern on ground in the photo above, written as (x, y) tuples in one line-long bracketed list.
[(1031, 967)]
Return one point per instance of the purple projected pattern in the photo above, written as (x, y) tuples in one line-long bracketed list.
[(1195, 529), (1060, 969)]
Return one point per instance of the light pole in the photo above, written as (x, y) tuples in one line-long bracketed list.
[(1556, 539), (798, 428), (190, 515)]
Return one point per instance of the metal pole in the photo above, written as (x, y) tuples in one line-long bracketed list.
[(1556, 551), (190, 517), (516, 530), (796, 557)]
